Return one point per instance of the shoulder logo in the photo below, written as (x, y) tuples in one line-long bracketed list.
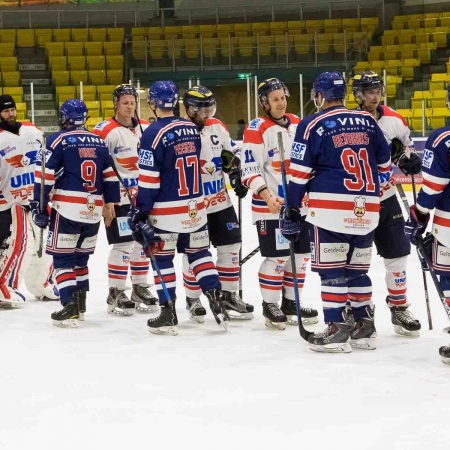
[(101, 125), (255, 124), (428, 157)]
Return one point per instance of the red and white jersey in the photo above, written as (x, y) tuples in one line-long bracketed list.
[(123, 144), (261, 162), (393, 126), (17, 162), (215, 138)]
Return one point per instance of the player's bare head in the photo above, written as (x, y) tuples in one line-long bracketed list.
[(163, 95), (125, 98), (200, 104), (8, 113), (272, 96), (368, 90), (328, 90)]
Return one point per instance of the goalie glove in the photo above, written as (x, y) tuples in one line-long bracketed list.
[(411, 165), (397, 149)]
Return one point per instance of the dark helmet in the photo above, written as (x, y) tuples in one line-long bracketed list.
[(330, 84), (364, 81), (163, 94), (124, 89), (73, 112), (199, 97), (267, 86)]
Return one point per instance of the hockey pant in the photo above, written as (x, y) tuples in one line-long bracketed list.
[(275, 274), (122, 256), (16, 255), (396, 280), (227, 266)]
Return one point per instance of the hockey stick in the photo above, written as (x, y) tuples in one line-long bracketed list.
[(250, 255), (41, 200), (303, 332), (424, 277), (240, 249)]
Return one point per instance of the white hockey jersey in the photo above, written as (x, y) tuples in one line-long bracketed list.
[(215, 138), (261, 162), (17, 162), (123, 144)]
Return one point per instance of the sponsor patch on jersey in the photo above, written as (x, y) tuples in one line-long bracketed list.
[(280, 241), (49, 238), (428, 156), (232, 225), (122, 225), (255, 124), (101, 125), (67, 240), (298, 151), (333, 252), (361, 256), (89, 242), (199, 239), (170, 240), (443, 256), (146, 158)]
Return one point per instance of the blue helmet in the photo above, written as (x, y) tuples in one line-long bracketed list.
[(330, 84), (73, 112), (163, 94)]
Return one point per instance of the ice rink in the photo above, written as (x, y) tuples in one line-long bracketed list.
[(110, 384)]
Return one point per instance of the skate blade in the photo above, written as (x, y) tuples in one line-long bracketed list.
[(143, 308), (48, 299), (364, 344), (341, 347), (81, 317), (119, 311), (11, 304), (235, 315), (164, 331), (198, 319), (221, 319), (292, 320), (69, 323), (275, 325), (398, 329), (445, 360)]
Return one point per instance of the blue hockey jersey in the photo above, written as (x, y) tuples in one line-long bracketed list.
[(435, 192), (78, 169), (170, 186), (340, 156)]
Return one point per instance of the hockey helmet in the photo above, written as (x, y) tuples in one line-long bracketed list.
[(163, 94), (331, 85), (124, 89), (73, 112), (267, 86), (364, 81), (200, 103)]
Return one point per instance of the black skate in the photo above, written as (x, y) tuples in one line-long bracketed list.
[(445, 354), (80, 297), (215, 298), (309, 316), (334, 339), (403, 320), (236, 308), (119, 303), (68, 316), (143, 298), (196, 310), (274, 318), (362, 332), (166, 323)]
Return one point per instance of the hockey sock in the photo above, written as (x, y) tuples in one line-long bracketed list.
[(396, 280), (139, 265), (228, 266), (334, 295), (66, 281), (444, 283), (271, 278), (204, 270), (118, 261), (359, 293), (165, 265), (189, 281), (301, 261), (82, 277)]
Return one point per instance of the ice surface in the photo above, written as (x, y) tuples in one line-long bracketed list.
[(110, 384)]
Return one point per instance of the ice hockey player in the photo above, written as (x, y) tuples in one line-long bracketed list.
[(435, 194), (219, 154), (122, 135), (390, 240), (20, 143), (337, 155), (261, 172), (79, 175), (170, 212)]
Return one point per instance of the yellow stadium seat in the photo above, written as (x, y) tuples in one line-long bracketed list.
[(95, 62), (223, 30), (391, 52), (388, 39), (61, 34), (104, 96), (424, 55), (207, 31), (58, 62), (277, 28), (16, 93), (97, 34), (444, 21), (20, 106), (438, 98), (158, 49), (93, 107), (369, 24), (439, 81), (437, 120), (228, 47), (419, 97), (192, 48), (314, 25), (211, 47), (189, 31), (332, 25), (97, 77), (114, 76), (74, 48), (8, 36), (398, 25), (79, 75), (112, 48), (430, 22), (340, 41), (441, 39), (26, 38), (303, 43), (21, 115), (115, 34), (246, 46), (76, 62), (323, 41), (8, 64), (108, 113), (376, 53), (54, 48), (11, 78), (296, 26), (261, 28), (361, 66), (421, 38), (378, 66), (107, 104), (106, 89), (282, 44), (242, 29), (43, 38), (416, 120), (139, 32), (92, 122), (350, 25), (80, 34), (114, 62), (408, 68), (265, 44), (7, 49), (89, 92), (172, 31), (392, 66), (93, 48)]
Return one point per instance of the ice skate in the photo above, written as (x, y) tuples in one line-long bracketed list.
[(68, 316), (196, 310), (119, 303), (11, 298), (445, 354), (274, 318), (236, 308), (166, 323), (403, 320), (362, 332), (215, 298), (143, 298), (309, 316), (80, 297), (334, 339)]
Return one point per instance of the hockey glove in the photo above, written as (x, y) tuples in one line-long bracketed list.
[(290, 223), (416, 224), (229, 160), (411, 165), (134, 216), (235, 181), (145, 235), (397, 149), (427, 249), (40, 217)]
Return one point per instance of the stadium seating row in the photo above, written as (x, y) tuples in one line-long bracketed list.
[(406, 68), (99, 62), (10, 79), (96, 48), (424, 52), (434, 117), (97, 77), (419, 36), (433, 99)]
